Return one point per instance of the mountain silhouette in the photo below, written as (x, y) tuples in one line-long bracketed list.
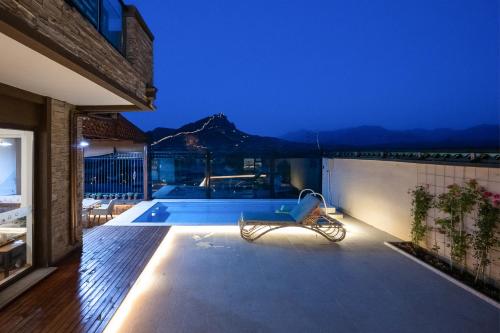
[(482, 137), (218, 135)]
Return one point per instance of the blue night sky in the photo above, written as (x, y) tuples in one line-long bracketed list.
[(276, 66)]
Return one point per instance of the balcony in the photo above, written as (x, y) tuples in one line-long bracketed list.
[(77, 52)]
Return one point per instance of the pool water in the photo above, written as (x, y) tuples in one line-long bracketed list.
[(206, 213)]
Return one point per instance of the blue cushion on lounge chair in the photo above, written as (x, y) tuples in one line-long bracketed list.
[(304, 208), (260, 217)]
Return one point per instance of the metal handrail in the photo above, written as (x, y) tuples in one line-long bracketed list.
[(304, 190), (322, 199), (315, 194)]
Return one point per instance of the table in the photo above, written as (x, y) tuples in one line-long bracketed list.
[(87, 205)]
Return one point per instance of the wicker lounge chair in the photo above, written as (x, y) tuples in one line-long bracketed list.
[(254, 225)]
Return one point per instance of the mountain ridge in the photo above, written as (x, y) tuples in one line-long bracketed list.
[(218, 134), (485, 136)]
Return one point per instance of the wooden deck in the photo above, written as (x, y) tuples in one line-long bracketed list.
[(86, 290)]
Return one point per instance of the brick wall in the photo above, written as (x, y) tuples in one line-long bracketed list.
[(139, 50), (61, 180), (64, 25)]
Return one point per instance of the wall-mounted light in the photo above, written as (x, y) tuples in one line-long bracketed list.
[(4, 143), (84, 144)]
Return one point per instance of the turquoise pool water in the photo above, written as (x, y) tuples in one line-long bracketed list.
[(206, 213)]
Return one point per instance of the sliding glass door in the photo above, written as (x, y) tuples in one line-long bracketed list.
[(16, 200)]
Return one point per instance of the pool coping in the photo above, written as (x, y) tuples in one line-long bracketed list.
[(126, 218)]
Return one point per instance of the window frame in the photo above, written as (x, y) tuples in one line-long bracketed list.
[(97, 26)]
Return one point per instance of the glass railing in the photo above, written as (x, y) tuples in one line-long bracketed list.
[(178, 175), (196, 175)]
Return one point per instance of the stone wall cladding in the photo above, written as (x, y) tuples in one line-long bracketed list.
[(63, 24), (139, 46), (61, 179)]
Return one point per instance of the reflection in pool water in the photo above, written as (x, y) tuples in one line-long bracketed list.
[(206, 213), (157, 213)]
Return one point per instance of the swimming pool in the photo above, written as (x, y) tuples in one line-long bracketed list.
[(195, 212)]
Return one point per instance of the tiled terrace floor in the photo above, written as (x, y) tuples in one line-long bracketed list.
[(210, 280)]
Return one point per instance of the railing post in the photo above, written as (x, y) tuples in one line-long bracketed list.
[(208, 175), (271, 176), (145, 171)]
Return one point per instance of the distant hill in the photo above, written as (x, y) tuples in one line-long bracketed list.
[(217, 134), (483, 137)]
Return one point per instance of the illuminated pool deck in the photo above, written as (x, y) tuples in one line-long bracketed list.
[(207, 279)]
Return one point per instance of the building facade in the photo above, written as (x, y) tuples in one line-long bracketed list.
[(61, 62)]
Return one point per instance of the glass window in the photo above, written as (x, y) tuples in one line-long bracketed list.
[(16, 187), (89, 8), (291, 175), (176, 176), (111, 24), (239, 177), (106, 16)]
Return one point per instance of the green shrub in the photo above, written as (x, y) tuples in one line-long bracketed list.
[(484, 236), (421, 203)]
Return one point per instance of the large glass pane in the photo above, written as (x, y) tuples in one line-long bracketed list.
[(291, 175), (235, 176), (16, 224), (178, 175), (111, 24), (89, 8)]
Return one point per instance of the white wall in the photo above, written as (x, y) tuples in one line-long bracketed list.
[(376, 192), (373, 191)]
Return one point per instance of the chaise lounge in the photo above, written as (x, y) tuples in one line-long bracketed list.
[(305, 214)]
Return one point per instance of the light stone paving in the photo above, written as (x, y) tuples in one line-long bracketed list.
[(207, 279)]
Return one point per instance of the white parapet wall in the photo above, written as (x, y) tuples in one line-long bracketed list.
[(376, 192), (372, 191)]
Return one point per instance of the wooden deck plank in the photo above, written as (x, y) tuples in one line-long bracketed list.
[(86, 290)]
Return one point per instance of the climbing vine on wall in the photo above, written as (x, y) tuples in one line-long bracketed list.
[(421, 203), (457, 203), (484, 236)]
